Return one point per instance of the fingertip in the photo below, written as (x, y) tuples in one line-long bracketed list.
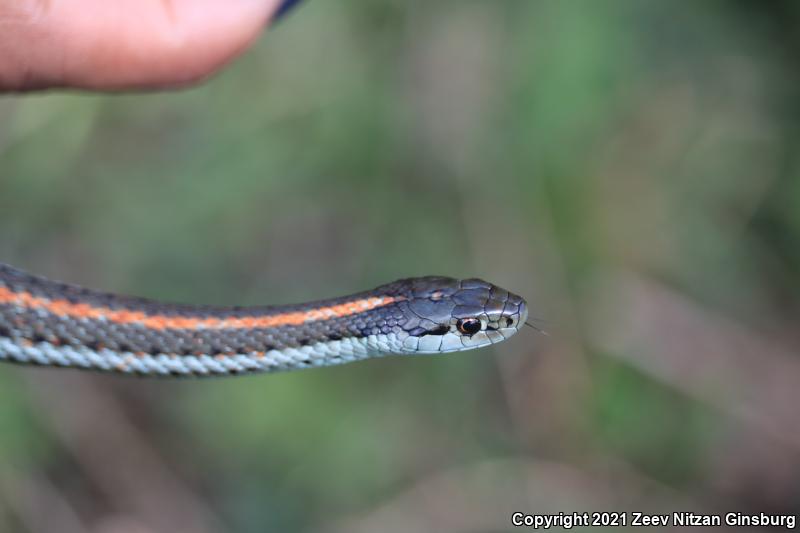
[(133, 44)]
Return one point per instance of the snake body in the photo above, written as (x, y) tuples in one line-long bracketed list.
[(44, 322)]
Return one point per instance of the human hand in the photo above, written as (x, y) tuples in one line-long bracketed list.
[(123, 44)]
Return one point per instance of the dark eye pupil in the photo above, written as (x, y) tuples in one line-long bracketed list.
[(469, 326)]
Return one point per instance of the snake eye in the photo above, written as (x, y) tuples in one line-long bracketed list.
[(469, 326)]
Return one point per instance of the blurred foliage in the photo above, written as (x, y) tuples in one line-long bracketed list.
[(548, 146)]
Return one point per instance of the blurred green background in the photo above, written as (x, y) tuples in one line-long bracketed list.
[(630, 167)]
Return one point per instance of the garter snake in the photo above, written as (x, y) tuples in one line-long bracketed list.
[(44, 322)]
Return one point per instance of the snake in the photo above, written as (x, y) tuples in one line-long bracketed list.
[(55, 324)]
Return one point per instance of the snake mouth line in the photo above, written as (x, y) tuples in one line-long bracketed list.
[(65, 308)]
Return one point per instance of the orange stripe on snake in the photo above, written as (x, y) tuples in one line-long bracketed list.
[(65, 308)]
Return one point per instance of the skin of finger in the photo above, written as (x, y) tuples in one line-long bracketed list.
[(124, 44)]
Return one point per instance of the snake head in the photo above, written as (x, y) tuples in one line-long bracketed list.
[(441, 314)]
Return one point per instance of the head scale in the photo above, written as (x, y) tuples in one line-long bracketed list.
[(444, 314)]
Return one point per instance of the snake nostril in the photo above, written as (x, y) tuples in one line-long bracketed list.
[(509, 322)]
